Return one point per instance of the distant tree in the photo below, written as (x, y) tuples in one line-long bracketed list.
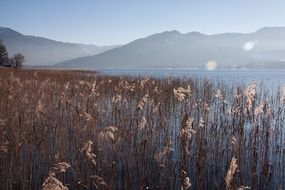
[(17, 60), (4, 59)]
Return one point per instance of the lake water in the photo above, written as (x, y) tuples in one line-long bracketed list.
[(269, 77)]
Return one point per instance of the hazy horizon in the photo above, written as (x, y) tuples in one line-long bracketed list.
[(119, 22)]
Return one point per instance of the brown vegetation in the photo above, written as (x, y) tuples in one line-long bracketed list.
[(82, 130)]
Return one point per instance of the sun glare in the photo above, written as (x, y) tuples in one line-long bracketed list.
[(248, 46), (211, 65)]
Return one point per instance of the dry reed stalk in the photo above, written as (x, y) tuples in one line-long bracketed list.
[(107, 137), (230, 174), (98, 182), (235, 145), (186, 182), (143, 82), (162, 155), (143, 101), (87, 151), (117, 98), (60, 167), (142, 123), (4, 147), (243, 188), (218, 94), (250, 95), (186, 131), (52, 183), (180, 93), (40, 108)]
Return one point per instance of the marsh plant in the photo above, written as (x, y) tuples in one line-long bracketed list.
[(82, 130)]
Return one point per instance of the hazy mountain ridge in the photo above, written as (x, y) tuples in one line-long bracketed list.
[(42, 51), (172, 49)]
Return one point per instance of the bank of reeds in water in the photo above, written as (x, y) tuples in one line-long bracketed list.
[(76, 130)]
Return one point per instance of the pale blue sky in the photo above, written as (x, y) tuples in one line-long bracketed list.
[(105, 22)]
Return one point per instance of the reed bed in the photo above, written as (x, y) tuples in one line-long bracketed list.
[(78, 130)]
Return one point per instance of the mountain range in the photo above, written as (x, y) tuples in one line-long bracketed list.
[(42, 51), (264, 48)]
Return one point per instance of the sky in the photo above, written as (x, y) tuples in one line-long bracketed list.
[(107, 22)]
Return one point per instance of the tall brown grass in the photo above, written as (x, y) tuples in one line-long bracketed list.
[(83, 130)]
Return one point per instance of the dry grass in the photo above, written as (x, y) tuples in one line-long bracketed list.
[(81, 130)]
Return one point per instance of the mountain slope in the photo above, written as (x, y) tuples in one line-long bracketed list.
[(172, 49), (42, 51)]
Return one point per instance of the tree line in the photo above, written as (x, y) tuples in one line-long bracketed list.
[(16, 61)]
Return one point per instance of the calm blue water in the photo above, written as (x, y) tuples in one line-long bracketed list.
[(270, 77)]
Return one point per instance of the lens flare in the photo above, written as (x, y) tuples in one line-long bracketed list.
[(211, 65), (248, 46)]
